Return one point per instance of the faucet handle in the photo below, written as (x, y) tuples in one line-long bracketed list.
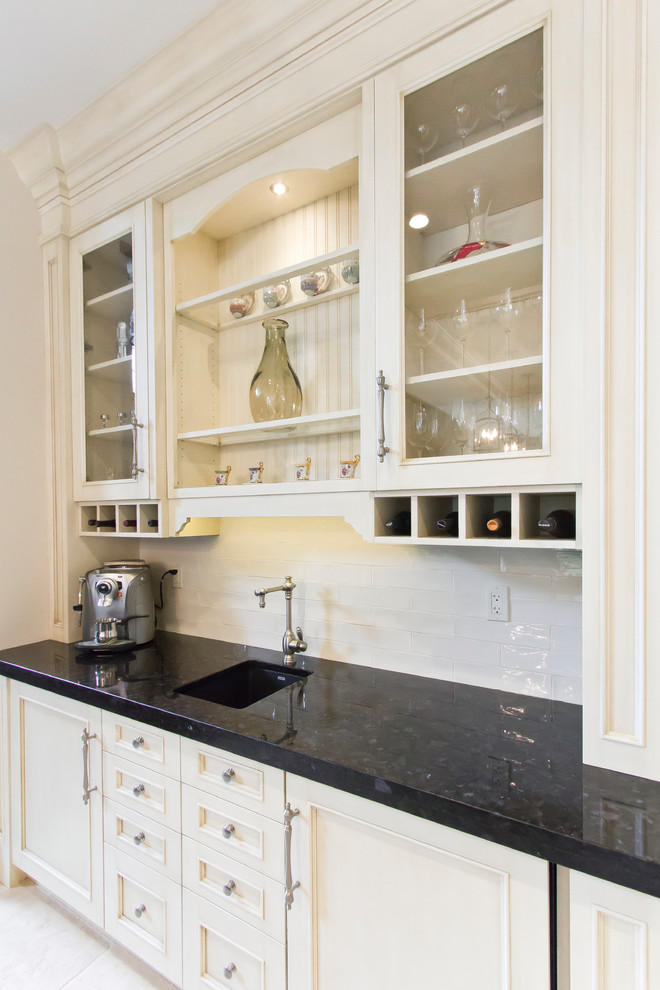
[(301, 645)]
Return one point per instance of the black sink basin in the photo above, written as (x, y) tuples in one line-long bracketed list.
[(243, 684)]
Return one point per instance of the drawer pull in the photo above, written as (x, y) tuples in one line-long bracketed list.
[(138, 789), (138, 742), (229, 970), (140, 837), (228, 831), (229, 887), (228, 775), (139, 911)]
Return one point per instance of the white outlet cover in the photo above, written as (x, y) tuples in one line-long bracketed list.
[(497, 603)]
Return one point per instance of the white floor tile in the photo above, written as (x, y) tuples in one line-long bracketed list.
[(117, 969)]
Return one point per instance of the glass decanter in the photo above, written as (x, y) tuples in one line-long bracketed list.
[(477, 203), (275, 391)]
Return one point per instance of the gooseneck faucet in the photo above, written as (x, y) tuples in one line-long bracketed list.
[(291, 643)]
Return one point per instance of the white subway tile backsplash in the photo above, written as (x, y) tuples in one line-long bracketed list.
[(415, 609)]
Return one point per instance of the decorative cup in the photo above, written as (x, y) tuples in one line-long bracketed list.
[(350, 271), (255, 474), (241, 305), (314, 283), (222, 477), (302, 470), (347, 468), (275, 295)]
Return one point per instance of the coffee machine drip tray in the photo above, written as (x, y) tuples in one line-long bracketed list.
[(113, 646)]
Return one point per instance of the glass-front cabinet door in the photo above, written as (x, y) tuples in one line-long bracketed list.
[(478, 288), (111, 415)]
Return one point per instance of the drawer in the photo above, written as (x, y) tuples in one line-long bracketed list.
[(223, 952), (243, 835), (152, 794), (138, 836), (235, 888), (242, 781), (143, 912), (153, 748)]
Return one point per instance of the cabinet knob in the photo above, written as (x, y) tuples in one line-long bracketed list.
[(229, 887), (228, 775), (140, 909), (140, 837), (138, 742), (138, 789), (229, 970), (228, 831)]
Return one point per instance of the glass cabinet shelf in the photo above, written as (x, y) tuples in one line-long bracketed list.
[(471, 383), (324, 424), (111, 305), (113, 370)]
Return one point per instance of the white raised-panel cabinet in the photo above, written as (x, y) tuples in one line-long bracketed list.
[(240, 257), (479, 259), (386, 899), (57, 802), (115, 299)]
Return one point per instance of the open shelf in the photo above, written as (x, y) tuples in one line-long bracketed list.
[(314, 425)]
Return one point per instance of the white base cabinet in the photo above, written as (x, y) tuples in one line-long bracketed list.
[(389, 900)]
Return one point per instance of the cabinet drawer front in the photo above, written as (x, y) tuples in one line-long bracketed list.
[(142, 744), (235, 888), (152, 794), (143, 912), (151, 843), (223, 952), (242, 781), (241, 834)]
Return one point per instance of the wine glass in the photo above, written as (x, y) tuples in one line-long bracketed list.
[(462, 322), (425, 138), (465, 120), (462, 423), (500, 103), (420, 428), (507, 313), (422, 335)]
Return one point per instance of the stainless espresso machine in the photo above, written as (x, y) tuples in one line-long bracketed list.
[(117, 606)]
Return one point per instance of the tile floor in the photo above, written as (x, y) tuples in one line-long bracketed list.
[(45, 946)]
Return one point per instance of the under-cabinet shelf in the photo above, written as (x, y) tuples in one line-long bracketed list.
[(474, 383), (514, 156), (314, 425), (476, 278), (111, 371), (191, 306), (112, 305)]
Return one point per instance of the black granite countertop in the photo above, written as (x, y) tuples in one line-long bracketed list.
[(505, 767)]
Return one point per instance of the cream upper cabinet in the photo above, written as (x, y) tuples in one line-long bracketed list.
[(115, 299), (380, 899), (478, 270), (268, 347)]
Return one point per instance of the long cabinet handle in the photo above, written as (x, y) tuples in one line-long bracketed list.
[(135, 470), (87, 790), (381, 449), (289, 815)]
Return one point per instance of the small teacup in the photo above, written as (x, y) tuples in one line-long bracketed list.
[(347, 468), (241, 305), (222, 477), (255, 474), (302, 470), (313, 283), (275, 295), (350, 271)]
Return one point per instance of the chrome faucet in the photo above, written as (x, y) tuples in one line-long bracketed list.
[(291, 643)]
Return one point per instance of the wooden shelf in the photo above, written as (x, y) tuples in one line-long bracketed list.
[(470, 384), (475, 278), (112, 305), (317, 424), (270, 278), (112, 371), (512, 160)]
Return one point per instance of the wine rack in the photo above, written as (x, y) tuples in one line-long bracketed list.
[(523, 507), (144, 520)]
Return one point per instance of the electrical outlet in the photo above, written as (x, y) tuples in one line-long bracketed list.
[(498, 603), (177, 579)]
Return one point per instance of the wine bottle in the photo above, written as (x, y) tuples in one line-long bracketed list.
[(130, 523), (499, 523), (449, 525), (399, 525), (152, 523), (559, 524), (105, 523)]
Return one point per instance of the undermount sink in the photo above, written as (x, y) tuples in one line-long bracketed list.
[(243, 684)]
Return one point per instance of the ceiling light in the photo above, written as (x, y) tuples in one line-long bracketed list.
[(418, 221), (279, 188)]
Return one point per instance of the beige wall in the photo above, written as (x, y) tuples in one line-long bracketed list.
[(24, 527)]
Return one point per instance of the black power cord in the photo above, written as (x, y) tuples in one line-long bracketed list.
[(172, 572)]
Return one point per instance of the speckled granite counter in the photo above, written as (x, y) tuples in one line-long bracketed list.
[(502, 766)]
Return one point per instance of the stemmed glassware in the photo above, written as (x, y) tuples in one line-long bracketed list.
[(421, 428), (422, 335), (501, 103), (425, 138), (465, 120)]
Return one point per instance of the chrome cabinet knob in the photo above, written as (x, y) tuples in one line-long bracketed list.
[(228, 775), (229, 887), (139, 911), (138, 742), (138, 789), (228, 831), (229, 970), (140, 837)]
